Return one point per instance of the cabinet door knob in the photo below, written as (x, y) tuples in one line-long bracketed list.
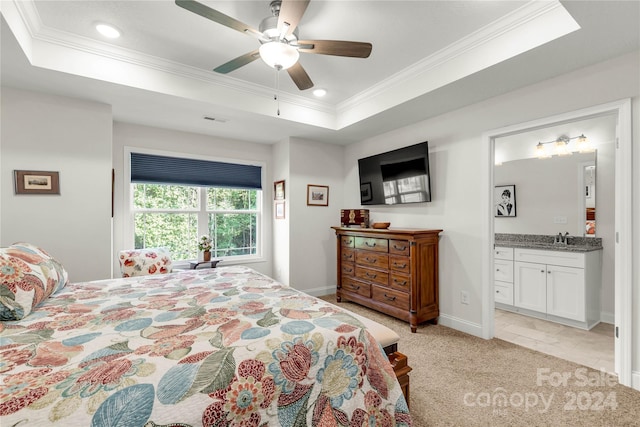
[(541, 271), (497, 269)]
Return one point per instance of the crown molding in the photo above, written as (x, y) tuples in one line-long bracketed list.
[(51, 37), (531, 12)]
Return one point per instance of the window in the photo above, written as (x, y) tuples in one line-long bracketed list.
[(176, 214)]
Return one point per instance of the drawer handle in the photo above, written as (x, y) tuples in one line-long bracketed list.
[(355, 288), (497, 269), (348, 242), (348, 270), (348, 257), (398, 248), (371, 260), (395, 264), (372, 276), (497, 292), (404, 282), (371, 245), (389, 298), (541, 271)]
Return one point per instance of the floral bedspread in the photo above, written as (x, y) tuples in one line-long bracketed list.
[(213, 347)]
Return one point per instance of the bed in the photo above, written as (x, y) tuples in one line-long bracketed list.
[(214, 347)]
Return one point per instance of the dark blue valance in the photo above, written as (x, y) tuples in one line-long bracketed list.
[(149, 168)]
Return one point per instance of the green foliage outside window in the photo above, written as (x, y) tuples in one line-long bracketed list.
[(167, 215)]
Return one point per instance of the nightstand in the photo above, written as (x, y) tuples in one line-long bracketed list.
[(193, 265)]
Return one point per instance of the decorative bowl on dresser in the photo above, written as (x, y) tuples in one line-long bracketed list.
[(394, 271)]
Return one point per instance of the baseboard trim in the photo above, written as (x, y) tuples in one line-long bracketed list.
[(319, 291), (607, 318), (461, 325), (635, 380)]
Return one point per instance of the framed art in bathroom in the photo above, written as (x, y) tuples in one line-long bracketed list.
[(504, 197)]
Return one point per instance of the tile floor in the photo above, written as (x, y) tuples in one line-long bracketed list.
[(594, 348)]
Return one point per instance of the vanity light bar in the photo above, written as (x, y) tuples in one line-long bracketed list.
[(561, 143)]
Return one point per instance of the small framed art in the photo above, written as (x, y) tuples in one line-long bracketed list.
[(278, 190), (504, 197), (280, 210), (36, 182), (317, 195)]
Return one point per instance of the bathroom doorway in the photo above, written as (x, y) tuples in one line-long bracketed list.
[(620, 264)]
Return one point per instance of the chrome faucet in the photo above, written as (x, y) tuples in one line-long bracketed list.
[(562, 239)]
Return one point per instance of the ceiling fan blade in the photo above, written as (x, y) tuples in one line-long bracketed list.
[(336, 47), (300, 76), (291, 12), (240, 61), (219, 17)]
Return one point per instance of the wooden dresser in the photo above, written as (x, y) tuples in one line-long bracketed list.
[(394, 271)]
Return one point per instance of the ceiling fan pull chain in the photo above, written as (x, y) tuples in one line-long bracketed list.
[(277, 94)]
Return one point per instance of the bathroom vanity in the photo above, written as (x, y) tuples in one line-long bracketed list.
[(543, 279)]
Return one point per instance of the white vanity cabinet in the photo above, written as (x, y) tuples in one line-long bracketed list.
[(562, 286), (503, 275)]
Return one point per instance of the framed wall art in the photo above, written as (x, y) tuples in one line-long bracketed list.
[(278, 190), (504, 197), (36, 182), (317, 195)]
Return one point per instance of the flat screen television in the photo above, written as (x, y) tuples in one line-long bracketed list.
[(396, 177)]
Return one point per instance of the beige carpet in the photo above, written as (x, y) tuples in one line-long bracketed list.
[(461, 380)]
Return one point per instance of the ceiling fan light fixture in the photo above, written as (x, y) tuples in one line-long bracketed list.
[(279, 55)]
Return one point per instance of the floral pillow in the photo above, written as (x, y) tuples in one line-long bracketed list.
[(142, 262), (28, 276)]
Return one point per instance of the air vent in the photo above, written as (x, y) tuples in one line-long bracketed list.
[(215, 119)]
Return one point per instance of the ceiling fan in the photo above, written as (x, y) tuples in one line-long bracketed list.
[(278, 34)]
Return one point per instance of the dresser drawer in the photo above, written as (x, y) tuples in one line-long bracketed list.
[(390, 297), (399, 247), (372, 259), (347, 241), (400, 263), (400, 281), (371, 275), (371, 244), (503, 270), (356, 287), (348, 269), (348, 255)]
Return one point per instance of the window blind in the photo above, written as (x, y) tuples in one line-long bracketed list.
[(149, 168)]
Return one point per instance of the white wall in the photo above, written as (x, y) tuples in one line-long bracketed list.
[(200, 146), (53, 133), (281, 248), (456, 160), (312, 241)]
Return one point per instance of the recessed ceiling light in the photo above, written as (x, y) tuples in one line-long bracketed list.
[(320, 92), (108, 31)]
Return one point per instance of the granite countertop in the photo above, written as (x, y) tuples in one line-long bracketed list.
[(545, 242)]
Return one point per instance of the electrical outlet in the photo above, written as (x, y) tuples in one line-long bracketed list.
[(464, 297)]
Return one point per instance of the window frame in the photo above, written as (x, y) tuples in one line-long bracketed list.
[(202, 213)]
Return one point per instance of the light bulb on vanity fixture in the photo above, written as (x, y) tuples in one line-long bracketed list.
[(562, 147)]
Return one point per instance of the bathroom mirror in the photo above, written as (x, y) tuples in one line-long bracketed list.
[(553, 195), (589, 185)]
